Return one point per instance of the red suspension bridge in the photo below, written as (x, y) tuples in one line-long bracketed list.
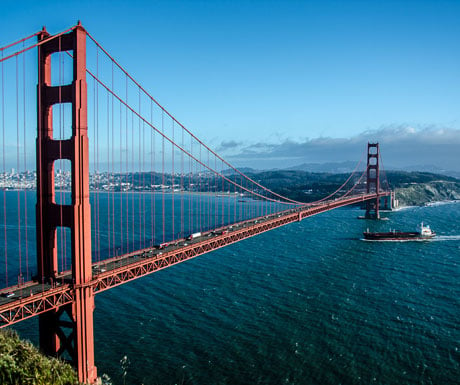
[(80, 216)]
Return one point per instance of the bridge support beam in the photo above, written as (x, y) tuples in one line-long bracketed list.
[(373, 180), (77, 344)]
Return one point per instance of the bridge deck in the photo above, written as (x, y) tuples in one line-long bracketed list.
[(34, 298)]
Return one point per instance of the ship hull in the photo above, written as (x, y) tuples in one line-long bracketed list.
[(397, 236)]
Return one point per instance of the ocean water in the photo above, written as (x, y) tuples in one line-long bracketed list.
[(309, 303)]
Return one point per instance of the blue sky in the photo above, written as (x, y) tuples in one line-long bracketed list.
[(252, 75)]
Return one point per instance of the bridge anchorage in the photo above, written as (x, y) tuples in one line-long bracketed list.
[(213, 209)]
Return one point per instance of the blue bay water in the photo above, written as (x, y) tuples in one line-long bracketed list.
[(310, 303)]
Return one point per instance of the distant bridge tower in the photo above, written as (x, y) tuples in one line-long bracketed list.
[(373, 181), (67, 331)]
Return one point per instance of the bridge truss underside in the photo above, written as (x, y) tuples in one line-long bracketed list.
[(39, 298)]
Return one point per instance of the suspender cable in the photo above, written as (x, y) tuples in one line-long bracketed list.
[(182, 189), (152, 194), (39, 167), (139, 197), (172, 183), (210, 193), (153, 172), (127, 165), (109, 235), (222, 197), (98, 201), (200, 197), (163, 176), (25, 160), (183, 127), (143, 183), (112, 176), (192, 225), (189, 154), (18, 171), (190, 196), (133, 244), (121, 180)]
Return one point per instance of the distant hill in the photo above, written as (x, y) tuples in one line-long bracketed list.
[(308, 186), (349, 166), (434, 170), (244, 170), (333, 167)]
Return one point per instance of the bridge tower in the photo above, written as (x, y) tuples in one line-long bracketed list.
[(67, 331), (373, 181)]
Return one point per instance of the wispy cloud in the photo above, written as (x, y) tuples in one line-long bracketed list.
[(400, 146)]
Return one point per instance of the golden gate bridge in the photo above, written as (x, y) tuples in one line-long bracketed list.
[(121, 189)]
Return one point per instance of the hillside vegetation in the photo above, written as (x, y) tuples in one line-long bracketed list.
[(22, 364)]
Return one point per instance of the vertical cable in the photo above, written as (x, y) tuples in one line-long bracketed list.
[(17, 172), (40, 163), (94, 209), (228, 202), (25, 160), (151, 177), (98, 149), (133, 181), (196, 211), (153, 173), (199, 195), (163, 174), (143, 182), (127, 166), (121, 179), (113, 161), (4, 168), (235, 198), (216, 199), (190, 225), (139, 197), (109, 235), (241, 200), (209, 194), (182, 187), (172, 181), (223, 210)]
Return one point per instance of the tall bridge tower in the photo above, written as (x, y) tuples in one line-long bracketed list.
[(373, 180), (67, 331)]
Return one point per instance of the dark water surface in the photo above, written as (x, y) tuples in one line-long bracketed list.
[(310, 303)]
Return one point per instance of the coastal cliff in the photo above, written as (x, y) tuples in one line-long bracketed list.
[(418, 194)]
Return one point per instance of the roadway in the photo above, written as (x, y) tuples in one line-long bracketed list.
[(33, 298)]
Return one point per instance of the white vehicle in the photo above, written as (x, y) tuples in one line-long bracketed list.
[(193, 236)]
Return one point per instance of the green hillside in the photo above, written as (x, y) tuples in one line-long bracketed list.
[(22, 364)]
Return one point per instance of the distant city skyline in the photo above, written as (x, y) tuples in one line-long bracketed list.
[(278, 84)]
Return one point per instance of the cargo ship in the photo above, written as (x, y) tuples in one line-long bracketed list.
[(423, 233)]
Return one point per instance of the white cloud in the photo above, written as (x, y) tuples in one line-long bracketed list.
[(400, 146)]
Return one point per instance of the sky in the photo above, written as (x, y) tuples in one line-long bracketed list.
[(279, 83)]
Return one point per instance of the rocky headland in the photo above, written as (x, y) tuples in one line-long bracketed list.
[(419, 194)]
